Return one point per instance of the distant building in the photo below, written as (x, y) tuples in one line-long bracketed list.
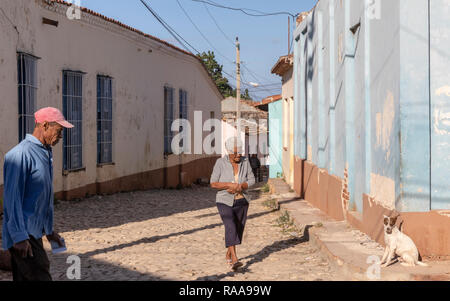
[(253, 126), (274, 107), (284, 68)]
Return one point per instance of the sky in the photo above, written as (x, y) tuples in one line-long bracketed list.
[(262, 39)]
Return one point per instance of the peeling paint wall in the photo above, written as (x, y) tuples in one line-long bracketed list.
[(414, 192), (382, 189), (440, 103), (382, 120), (388, 115)]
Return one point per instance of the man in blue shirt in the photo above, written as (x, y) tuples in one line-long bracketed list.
[(28, 197)]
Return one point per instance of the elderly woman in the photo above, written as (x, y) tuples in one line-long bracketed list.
[(232, 176)]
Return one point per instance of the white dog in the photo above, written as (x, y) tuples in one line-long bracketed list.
[(398, 243)]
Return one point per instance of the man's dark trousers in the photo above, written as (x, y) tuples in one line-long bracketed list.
[(36, 268)]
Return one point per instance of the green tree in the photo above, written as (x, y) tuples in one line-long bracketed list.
[(245, 96), (215, 69)]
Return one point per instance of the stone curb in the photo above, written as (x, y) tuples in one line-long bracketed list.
[(353, 272)]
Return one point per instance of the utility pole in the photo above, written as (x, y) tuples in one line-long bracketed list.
[(238, 86)]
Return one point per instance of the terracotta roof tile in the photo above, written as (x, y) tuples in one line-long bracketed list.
[(283, 64), (267, 100)]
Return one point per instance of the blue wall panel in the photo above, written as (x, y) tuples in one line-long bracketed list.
[(440, 103), (414, 107)]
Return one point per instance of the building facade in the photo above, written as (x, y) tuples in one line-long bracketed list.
[(274, 108), (253, 127), (121, 88), (284, 69), (371, 103)]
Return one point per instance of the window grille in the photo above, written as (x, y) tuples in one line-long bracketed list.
[(27, 87), (104, 119), (72, 110), (168, 119), (183, 105), (211, 116)]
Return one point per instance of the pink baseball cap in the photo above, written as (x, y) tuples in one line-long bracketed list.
[(50, 114)]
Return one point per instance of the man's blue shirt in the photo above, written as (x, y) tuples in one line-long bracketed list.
[(28, 192)]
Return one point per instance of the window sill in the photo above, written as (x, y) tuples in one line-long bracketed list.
[(100, 165), (67, 172)]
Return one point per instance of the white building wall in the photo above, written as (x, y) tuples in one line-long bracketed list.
[(140, 67)]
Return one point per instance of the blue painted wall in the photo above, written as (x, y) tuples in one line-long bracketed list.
[(440, 103), (414, 192), (275, 139), (376, 101)]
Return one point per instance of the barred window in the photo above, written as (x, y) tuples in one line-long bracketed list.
[(27, 85), (183, 105), (211, 116), (168, 119), (72, 110), (104, 119)]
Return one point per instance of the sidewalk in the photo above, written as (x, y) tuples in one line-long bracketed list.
[(346, 247)]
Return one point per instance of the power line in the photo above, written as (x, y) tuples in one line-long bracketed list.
[(225, 35), (291, 42), (253, 74), (244, 10), (207, 40), (268, 90), (246, 89), (200, 32), (215, 22), (178, 37), (169, 29)]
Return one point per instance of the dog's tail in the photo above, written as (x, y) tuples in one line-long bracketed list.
[(422, 263)]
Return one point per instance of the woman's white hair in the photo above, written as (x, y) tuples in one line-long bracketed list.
[(233, 142)]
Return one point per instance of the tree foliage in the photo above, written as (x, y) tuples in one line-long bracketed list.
[(215, 69)]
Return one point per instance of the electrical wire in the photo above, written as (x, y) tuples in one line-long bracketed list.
[(255, 76), (244, 10), (262, 90), (170, 29), (220, 29), (226, 36), (208, 41), (292, 38), (201, 33), (178, 37)]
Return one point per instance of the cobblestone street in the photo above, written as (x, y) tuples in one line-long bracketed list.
[(176, 235)]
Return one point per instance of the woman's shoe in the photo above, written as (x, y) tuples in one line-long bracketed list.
[(236, 265)]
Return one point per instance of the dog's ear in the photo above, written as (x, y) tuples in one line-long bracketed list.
[(393, 220)]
